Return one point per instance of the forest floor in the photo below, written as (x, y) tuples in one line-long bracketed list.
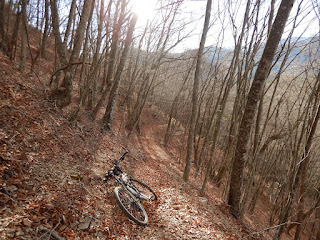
[(51, 175)]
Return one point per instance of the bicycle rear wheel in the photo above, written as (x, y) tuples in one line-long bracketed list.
[(131, 206), (144, 191)]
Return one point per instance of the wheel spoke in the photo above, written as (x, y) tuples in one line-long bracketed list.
[(131, 206), (144, 192)]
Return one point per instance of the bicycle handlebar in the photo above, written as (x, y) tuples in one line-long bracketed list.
[(115, 169), (121, 158)]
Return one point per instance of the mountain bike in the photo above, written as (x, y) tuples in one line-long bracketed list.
[(130, 193)]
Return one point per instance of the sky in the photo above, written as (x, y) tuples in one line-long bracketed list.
[(193, 10)]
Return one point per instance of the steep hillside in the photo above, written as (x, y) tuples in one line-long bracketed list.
[(51, 175)]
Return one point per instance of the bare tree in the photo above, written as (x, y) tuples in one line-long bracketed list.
[(109, 115), (153, 60), (70, 19), (301, 178), (3, 42), (254, 95), (46, 30), (192, 127), (64, 94), (23, 53), (58, 42), (174, 106), (11, 49), (119, 21)]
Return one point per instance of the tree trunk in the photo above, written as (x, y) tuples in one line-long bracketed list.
[(254, 95), (14, 37), (57, 37), (318, 222), (112, 59), (46, 31), (108, 117), (23, 53), (194, 110), (135, 73), (83, 85), (303, 167), (134, 117), (69, 73), (70, 19), (65, 92), (92, 85), (3, 40), (173, 110)]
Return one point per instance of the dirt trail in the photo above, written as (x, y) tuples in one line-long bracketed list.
[(51, 170), (51, 175), (180, 212)]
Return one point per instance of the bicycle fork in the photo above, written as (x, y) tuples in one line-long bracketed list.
[(137, 194)]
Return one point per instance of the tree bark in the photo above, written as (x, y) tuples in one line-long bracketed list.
[(112, 59), (64, 95), (3, 41), (303, 167), (83, 85), (46, 30), (254, 95), (57, 36), (194, 110), (108, 117), (14, 37), (70, 19), (23, 53), (92, 84), (174, 106)]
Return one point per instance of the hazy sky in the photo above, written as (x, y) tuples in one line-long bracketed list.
[(193, 11)]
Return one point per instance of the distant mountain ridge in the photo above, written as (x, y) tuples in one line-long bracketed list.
[(299, 54)]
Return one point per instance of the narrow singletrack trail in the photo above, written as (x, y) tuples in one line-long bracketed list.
[(180, 212)]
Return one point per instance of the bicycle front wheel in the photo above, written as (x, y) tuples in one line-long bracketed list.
[(131, 206), (144, 191)]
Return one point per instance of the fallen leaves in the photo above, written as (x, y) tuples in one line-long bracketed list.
[(27, 222), (181, 215), (50, 169)]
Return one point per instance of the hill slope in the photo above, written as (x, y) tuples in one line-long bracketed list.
[(51, 175)]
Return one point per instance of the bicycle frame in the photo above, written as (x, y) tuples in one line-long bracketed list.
[(136, 191), (124, 179)]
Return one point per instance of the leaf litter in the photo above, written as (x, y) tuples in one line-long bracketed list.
[(51, 175)]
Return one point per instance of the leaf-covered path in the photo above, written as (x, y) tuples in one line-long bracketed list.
[(51, 175), (180, 212)]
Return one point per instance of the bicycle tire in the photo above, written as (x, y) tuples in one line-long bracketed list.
[(144, 189), (131, 206)]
